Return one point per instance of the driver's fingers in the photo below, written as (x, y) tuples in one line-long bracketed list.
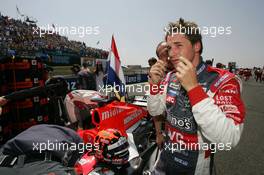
[(157, 72), (161, 66)]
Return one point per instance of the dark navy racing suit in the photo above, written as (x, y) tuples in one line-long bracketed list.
[(207, 118)]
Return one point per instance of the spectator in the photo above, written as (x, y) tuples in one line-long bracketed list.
[(209, 62), (219, 65), (152, 61), (100, 75), (262, 75), (75, 69), (86, 78), (162, 54), (258, 74), (47, 72)]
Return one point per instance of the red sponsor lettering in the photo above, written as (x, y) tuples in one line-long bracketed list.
[(229, 109), (170, 99), (177, 136)]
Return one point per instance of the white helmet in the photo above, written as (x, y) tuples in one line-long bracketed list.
[(78, 105)]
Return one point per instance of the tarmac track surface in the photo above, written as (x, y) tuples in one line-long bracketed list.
[(247, 158)]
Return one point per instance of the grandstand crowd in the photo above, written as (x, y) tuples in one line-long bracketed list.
[(18, 37)]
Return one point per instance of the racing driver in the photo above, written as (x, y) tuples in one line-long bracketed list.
[(202, 105)]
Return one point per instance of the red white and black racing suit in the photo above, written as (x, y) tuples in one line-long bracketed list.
[(208, 117)]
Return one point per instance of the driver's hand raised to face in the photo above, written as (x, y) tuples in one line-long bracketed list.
[(157, 72)]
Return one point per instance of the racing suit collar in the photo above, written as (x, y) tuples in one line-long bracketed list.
[(201, 66)]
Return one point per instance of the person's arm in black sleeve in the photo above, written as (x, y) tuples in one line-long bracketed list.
[(25, 93)]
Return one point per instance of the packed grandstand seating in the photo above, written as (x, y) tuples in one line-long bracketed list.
[(17, 36)]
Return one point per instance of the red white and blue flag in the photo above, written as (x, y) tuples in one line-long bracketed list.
[(115, 73)]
